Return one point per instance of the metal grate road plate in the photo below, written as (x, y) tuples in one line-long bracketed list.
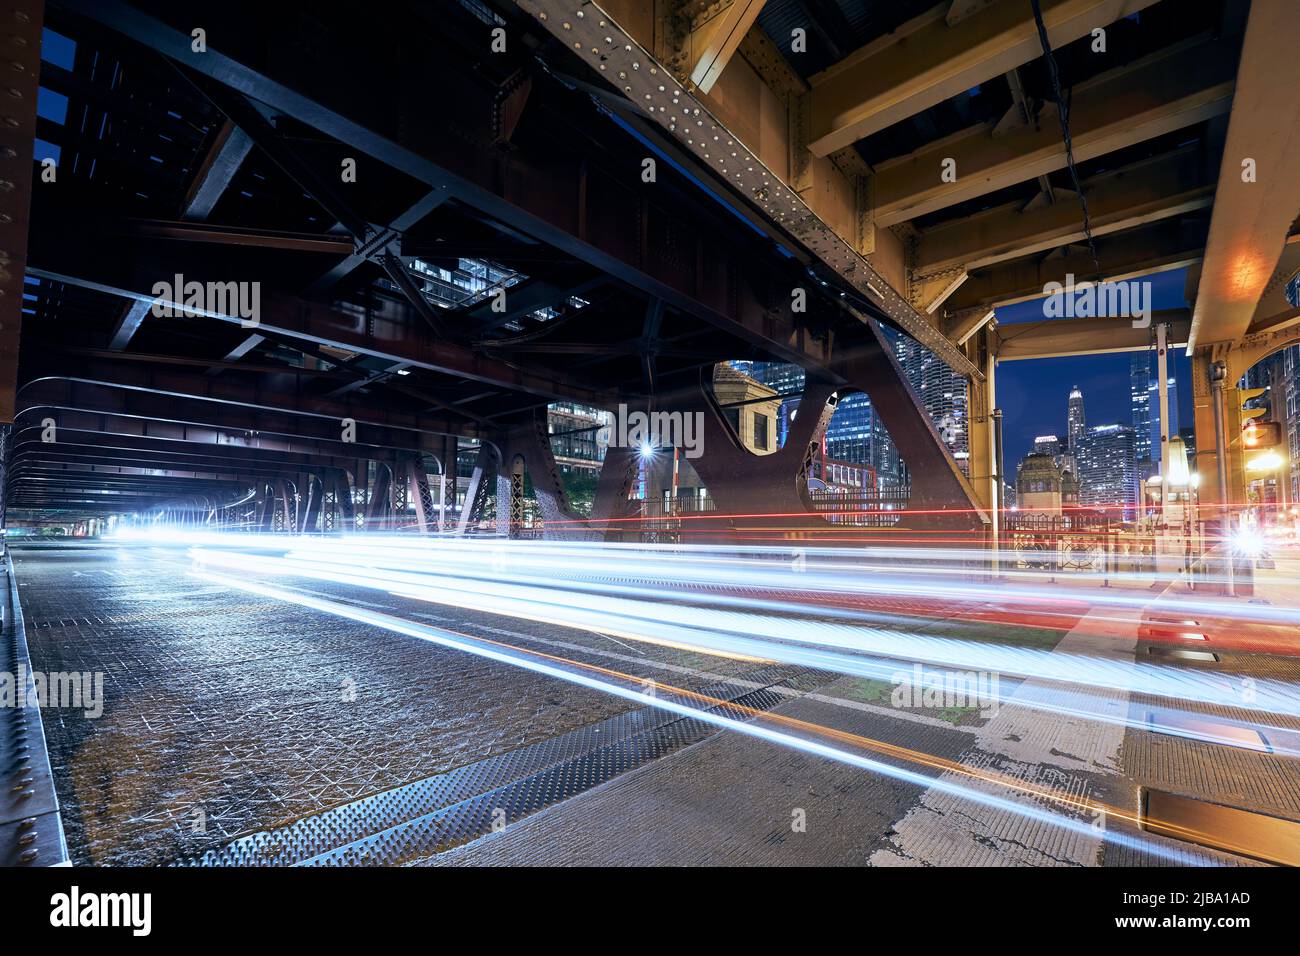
[(449, 809)]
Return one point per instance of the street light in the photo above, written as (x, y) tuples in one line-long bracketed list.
[(1269, 461)]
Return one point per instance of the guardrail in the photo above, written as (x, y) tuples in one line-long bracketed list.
[(31, 828)]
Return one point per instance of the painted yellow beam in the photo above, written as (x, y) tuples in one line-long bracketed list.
[(712, 45), (1167, 91), (1058, 338), (962, 325), (1165, 245), (927, 61), (1169, 185), (1274, 323), (1259, 183)]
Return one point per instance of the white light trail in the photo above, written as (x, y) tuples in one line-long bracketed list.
[(809, 643), (523, 659)]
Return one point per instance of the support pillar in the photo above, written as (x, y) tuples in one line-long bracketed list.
[(482, 484), (1162, 371), (265, 508), (379, 499), (447, 484), (510, 497), (329, 503), (312, 511), (418, 493), (1218, 375), (283, 516), (346, 503), (981, 410), (526, 449), (760, 494), (613, 503)]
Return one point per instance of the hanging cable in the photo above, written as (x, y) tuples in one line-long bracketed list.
[(1063, 112)]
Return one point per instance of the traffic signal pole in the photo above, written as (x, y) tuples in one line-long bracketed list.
[(1218, 374), (1162, 371)]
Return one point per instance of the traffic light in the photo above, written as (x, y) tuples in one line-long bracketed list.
[(1255, 434), (1250, 394)]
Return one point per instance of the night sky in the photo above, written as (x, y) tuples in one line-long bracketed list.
[(1032, 394)]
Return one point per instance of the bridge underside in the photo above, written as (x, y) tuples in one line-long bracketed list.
[(409, 265), (403, 264)]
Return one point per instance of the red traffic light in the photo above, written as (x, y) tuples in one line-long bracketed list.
[(1261, 434)]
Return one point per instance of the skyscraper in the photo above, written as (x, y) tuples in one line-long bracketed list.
[(1047, 445), (942, 392), (857, 435), (1144, 390), (1108, 473), (1140, 395), (1074, 420)]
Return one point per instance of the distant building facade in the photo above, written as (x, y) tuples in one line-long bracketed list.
[(784, 378), (1140, 398), (1075, 421), (856, 435), (1038, 485), (1144, 392), (1280, 373), (1047, 445), (752, 408), (943, 393), (1108, 470), (577, 436)]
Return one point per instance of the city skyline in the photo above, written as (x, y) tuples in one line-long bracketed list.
[(1103, 458), (1026, 390)]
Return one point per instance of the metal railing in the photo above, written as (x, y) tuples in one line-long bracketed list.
[(1077, 541), (878, 509)]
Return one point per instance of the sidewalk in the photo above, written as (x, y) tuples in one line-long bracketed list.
[(1116, 764)]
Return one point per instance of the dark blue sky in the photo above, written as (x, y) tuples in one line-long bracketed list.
[(1032, 394)]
